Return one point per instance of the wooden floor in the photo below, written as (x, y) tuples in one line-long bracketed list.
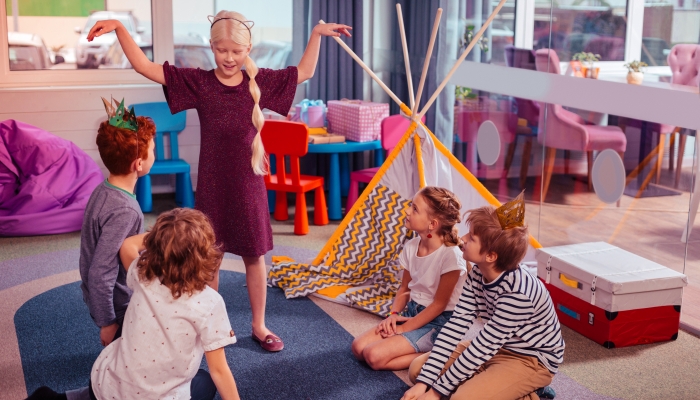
[(649, 227)]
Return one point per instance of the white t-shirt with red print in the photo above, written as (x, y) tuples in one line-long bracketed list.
[(162, 344)]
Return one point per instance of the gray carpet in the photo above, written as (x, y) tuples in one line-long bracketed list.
[(315, 364)]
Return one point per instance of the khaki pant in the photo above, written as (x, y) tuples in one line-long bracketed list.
[(506, 376)]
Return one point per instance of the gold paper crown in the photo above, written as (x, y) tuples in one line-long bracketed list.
[(512, 213)]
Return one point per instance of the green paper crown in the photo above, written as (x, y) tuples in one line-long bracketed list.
[(119, 116)]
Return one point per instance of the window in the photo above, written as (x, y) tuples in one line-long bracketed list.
[(666, 24), (592, 26), (497, 37), (272, 32), (44, 35)]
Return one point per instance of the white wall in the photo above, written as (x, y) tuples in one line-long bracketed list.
[(75, 113)]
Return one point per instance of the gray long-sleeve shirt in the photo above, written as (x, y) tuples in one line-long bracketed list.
[(111, 216)]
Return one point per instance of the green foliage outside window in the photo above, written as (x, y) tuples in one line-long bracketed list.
[(56, 8)]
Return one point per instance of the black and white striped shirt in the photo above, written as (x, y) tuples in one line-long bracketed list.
[(518, 315)]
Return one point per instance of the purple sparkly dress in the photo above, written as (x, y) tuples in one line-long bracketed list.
[(228, 192)]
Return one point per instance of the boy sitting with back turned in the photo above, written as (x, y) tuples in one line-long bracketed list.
[(112, 214), (517, 353)]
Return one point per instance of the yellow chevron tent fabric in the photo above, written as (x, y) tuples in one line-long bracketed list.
[(358, 265)]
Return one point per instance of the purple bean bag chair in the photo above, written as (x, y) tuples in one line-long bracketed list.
[(45, 181)]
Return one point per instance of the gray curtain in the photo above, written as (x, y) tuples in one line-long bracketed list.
[(418, 20), (337, 75)]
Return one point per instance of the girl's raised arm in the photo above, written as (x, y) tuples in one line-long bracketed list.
[(138, 60), (307, 64)]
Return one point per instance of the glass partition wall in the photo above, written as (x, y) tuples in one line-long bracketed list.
[(595, 167)]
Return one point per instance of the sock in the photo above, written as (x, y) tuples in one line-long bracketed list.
[(546, 392), (45, 393)]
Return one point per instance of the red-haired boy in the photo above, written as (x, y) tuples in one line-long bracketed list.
[(112, 214)]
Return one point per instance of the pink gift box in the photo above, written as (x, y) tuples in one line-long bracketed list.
[(357, 120)]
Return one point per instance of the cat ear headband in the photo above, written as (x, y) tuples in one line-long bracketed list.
[(248, 24)]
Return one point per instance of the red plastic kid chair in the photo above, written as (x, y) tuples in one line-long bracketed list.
[(286, 138), (392, 130)]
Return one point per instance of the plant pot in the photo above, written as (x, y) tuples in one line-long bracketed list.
[(577, 69), (635, 78), (590, 72)]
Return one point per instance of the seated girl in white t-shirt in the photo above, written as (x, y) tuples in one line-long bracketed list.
[(173, 319), (434, 272)]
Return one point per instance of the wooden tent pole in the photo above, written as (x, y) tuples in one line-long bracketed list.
[(409, 78), (461, 58), (366, 68)]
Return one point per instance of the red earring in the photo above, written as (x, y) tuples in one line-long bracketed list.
[(429, 235)]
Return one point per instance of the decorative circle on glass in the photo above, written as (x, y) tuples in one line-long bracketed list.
[(608, 176), (488, 143)]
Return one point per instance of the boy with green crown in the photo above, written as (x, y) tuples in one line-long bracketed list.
[(519, 349), (112, 214)]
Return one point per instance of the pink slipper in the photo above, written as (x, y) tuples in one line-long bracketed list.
[(270, 343)]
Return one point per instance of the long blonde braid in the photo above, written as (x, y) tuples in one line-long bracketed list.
[(233, 26), (259, 161)]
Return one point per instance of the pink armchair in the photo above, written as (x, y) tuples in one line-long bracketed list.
[(466, 128), (562, 129), (684, 60), (527, 109)]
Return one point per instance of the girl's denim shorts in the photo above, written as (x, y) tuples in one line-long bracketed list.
[(422, 339)]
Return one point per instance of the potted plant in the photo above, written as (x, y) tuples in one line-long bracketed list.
[(469, 33), (587, 61), (635, 72), (466, 97)]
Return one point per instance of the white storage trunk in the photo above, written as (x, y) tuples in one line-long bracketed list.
[(609, 277)]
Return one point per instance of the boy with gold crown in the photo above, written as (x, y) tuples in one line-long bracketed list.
[(520, 347), (125, 142)]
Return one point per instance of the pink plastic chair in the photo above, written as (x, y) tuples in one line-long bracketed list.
[(562, 129), (684, 60), (393, 128)]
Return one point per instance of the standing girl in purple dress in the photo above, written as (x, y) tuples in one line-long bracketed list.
[(229, 101)]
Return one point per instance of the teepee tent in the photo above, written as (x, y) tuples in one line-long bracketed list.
[(358, 266)]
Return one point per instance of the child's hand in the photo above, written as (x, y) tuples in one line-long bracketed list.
[(330, 29), (388, 326), (430, 395), (102, 27), (415, 392), (107, 333)]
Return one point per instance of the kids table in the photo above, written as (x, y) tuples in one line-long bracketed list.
[(339, 173)]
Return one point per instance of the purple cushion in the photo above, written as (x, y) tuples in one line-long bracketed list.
[(45, 181)]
